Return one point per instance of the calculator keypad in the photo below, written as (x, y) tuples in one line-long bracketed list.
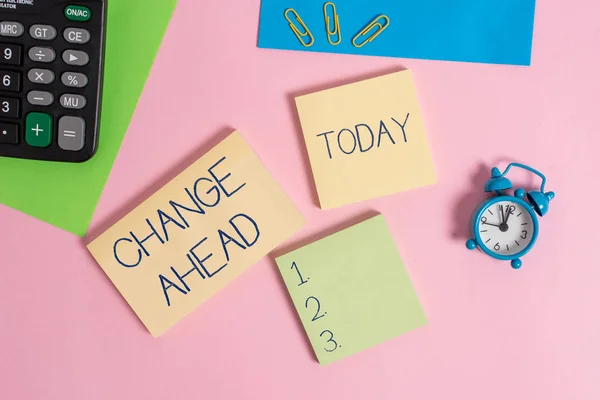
[(50, 79)]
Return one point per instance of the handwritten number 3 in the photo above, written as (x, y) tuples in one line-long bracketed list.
[(317, 316), (330, 340)]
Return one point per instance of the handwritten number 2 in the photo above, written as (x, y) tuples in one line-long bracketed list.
[(330, 340), (317, 316), (302, 281)]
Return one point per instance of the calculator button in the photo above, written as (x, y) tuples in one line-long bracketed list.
[(77, 35), (73, 101), (39, 98), (11, 29), (9, 107), (42, 32), (9, 133), (74, 79), (75, 57), (78, 13), (71, 133), (38, 129), (10, 54), (10, 81), (42, 76), (42, 54)]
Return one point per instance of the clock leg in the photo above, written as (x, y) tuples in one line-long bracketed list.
[(516, 264), (471, 245)]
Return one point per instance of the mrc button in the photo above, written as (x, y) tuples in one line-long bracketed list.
[(11, 29), (78, 13)]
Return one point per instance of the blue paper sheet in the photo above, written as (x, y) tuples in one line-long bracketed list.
[(484, 31)]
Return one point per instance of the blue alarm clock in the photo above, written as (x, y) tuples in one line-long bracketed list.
[(506, 227)]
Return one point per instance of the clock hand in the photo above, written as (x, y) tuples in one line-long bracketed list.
[(501, 214), (487, 223), (508, 214)]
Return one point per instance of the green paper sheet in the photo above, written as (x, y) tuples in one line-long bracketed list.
[(65, 194), (351, 290)]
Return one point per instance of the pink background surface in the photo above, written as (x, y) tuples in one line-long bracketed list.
[(493, 334)]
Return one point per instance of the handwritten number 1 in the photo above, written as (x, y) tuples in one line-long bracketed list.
[(330, 340), (302, 281)]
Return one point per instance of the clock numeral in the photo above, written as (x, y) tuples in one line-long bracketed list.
[(483, 220), (497, 246), (524, 235)]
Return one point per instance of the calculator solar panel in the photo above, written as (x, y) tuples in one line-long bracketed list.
[(51, 58)]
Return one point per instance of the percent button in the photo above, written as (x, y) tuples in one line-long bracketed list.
[(74, 79)]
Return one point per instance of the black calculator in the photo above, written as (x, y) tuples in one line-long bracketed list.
[(51, 66)]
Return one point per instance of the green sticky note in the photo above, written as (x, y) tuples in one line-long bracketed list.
[(351, 290), (65, 194)]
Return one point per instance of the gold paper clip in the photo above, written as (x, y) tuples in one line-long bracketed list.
[(374, 24), (300, 35), (336, 24)]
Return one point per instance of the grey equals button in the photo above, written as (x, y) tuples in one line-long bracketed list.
[(71, 133)]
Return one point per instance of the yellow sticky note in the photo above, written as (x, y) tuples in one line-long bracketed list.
[(196, 234), (366, 139)]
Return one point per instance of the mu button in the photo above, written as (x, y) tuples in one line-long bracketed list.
[(38, 129)]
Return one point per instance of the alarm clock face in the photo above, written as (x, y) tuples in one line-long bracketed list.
[(506, 227)]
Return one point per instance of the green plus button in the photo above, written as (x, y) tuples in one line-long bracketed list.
[(38, 129), (78, 13)]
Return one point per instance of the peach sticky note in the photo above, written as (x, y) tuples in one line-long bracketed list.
[(366, 139), (196, 234)]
